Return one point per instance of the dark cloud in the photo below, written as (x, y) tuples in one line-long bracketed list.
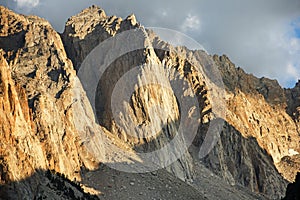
[(260, 36)]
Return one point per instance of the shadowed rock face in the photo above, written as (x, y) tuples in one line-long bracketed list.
[(293, 102), (48, 119), (44, 185), (293, 189), (260, 108)]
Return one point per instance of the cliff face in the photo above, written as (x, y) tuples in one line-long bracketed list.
[(16, 129), (260, 108), (38, 129), (82, 39), (293, 102), (257, 127), (48, 119)]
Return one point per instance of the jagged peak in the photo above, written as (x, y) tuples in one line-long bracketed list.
[(12, 23), (94, 16), (92, 13), (4, 9), (6, 13), (93, 9), (132, 19)]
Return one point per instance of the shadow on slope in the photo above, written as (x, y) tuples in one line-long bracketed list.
[(118, 185), (241, 161), (44, 185), (293, 189)]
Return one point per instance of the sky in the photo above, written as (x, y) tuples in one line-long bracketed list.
[(261, 36)]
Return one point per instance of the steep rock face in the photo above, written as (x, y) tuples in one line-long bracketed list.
[(290, 165), (260, 108), (235, 79), (16, 127), (22, 153), (293, 102), (241, 161), (239, 156), (138, 111), (254, 170), (44, 127)]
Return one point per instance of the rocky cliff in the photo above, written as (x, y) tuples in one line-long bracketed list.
[(260, 108), (38, 102), (51, 120)]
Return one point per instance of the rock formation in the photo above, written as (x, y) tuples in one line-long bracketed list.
[(48, 119), (38, 102), (260, 108)]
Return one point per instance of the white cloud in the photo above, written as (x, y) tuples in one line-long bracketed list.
[(294, 45), (26, 4), (191, 22), (293, 71)]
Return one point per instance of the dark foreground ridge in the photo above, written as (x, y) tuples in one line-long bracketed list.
[(293, 189)]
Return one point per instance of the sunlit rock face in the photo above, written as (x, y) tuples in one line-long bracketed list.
[(260, 108), (150, 106), (37, 84), (255, 108), (50, 120)]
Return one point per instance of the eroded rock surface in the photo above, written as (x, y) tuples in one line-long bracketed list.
[(260, 108), (43, 97), (256, 117)]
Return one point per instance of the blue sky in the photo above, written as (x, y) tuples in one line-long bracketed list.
[(296, 25), (262, 37), (297, 32)]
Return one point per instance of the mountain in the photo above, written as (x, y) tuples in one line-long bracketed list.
[(183, 120)]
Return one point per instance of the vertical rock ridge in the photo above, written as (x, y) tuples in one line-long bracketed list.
[(45, 76)]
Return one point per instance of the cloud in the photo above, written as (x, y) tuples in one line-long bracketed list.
[(259, 36), (191, 23), (26, 5), (293, 71), (164, 13)]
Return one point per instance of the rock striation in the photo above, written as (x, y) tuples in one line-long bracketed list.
[(256, 109), (81, 38), (38, 105)]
